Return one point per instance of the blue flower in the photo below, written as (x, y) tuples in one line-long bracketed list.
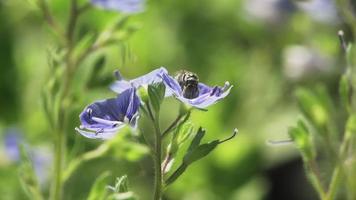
[(207, 95), (41, 157), (142, 81), (125, 6), (11, 142), (102, 119)]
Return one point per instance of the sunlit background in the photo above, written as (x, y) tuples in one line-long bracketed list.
[(265, 48)]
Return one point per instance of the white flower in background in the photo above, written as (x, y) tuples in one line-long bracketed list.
[(270, 11), (323, 11), (300, 62)]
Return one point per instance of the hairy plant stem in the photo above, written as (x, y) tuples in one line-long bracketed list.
[(339, 170), (157, 155), (314, 174), (60, 144)]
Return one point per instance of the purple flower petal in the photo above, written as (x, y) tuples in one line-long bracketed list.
[(207, 95), (11, 142), (102, 119), (150, 78), (125, 6)]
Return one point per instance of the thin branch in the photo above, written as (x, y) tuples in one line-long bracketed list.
[(175, 123), (47, 15), (73, 17), (234, 133)]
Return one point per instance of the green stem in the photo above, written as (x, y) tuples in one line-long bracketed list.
[(314, 175), (176, 123), (58, 166), (47, 15), (60, 153), (157, 155), (334, 184), (73, 165), (339, 169)]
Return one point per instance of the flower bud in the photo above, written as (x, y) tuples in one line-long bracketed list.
[(302, 139), (143, 94)]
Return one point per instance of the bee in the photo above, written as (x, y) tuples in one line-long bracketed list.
[(188, 82)]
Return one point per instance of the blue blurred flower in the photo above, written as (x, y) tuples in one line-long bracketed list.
[(142, 81), (41, 157), (125, 6), (207, 95), (104, 118), (11, 142)]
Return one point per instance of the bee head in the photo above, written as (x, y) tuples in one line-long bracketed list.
[(191, 79), (187, 78)]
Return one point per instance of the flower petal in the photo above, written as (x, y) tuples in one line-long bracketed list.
[(99, 135), (126, 6), (104, 118), (120, 86), (211, 99), (171, 84), (149, 78), (134, 104)]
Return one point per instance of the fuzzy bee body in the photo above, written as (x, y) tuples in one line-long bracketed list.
[(188, 81)]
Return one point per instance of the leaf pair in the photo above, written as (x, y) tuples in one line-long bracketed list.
[(195, 152), (302, 138), (120, 191), (156, 94)]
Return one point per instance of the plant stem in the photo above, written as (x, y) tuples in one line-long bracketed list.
[(74, 164), (60, 152), (157, 155), (314, 174), (339, 168), (158, 170), (47, 15), (58, 166)]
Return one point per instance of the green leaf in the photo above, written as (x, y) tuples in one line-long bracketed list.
[(195, 152), (198, 137), (302, 139), (28, 178), (121, 184), (314, 107), (85, 43), (179, 136), (184, 131), (181, 169), (99, 191), (156, 94), (121, 190), (200, 152)]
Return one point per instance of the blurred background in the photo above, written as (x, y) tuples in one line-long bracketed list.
[(265, 48)]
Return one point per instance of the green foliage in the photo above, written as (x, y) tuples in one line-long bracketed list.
[(195, 152), (315, 106), (99, 189), (121, 191), (156, 94), (28, 177), (302, 138)]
